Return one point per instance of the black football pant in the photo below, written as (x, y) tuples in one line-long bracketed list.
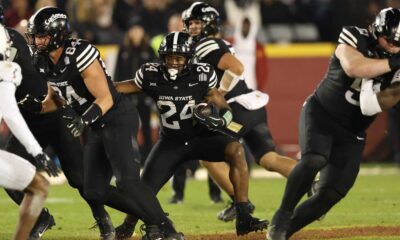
[(50, 130), (255, 131), (326, 147), (112, 150), (144, 106)]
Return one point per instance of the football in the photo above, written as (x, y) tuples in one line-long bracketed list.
[(205, 109)]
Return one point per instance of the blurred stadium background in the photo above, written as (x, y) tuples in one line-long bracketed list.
[(293, 44)]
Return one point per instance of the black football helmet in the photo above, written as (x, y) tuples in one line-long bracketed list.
[(48, 21), (176, 43), (207, 14), (387, 25)]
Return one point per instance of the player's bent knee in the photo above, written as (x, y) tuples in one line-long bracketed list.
[(234, 152), (39, 185), (93, 195), (330, 195), (76, 182), (127, 185), (314, 161), (268, 161)]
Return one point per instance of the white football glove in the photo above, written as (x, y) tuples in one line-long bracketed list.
[(10, 72)]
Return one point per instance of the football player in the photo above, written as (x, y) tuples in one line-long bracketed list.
[(15, 172), (49, 129), (202, 22), (179, 87), (362, 81), (79, 82)]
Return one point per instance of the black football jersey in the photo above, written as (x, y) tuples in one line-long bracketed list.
[(65, 76), (175, 99), (338, 93), (211, 50)]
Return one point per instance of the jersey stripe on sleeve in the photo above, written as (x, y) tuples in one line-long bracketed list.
[(139, 78), (212, 83), (206, 47), (347, 37), (86, 58)]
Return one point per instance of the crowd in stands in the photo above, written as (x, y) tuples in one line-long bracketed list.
[(106, 21)]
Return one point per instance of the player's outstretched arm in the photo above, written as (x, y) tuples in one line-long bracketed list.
[(357, 66), (127, 86), (233, 70), (50, 104), (372, 103), (389, 97)]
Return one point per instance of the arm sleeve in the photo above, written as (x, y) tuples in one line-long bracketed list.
[(14, 120), (355, 37), (368, 99)]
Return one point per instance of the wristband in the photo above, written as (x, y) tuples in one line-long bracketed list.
[(394, 62), (92, 114), (226, 115)]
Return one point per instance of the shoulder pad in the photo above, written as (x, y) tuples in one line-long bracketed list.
[(206, 73), (10, 72), (208, 45), (352, 36), (151, 67), (143, 72), (83, 52)]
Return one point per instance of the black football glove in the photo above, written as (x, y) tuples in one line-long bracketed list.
[(43, 162), (31, 104), (394, 62), (209, 118), (75, 123)]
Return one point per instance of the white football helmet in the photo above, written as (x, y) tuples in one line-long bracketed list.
[(5, 44)]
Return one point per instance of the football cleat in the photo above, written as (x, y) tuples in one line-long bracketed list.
[(216, 199), (125, 230), (151, 232), (250, 224), (279, 225), (155, 232), (229, 213), (175, 200), (107, 231), (44, 223)]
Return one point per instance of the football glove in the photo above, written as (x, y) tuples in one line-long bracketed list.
[(31, 104), (394, 62), (75, 123), (43, 162), (208, 116)]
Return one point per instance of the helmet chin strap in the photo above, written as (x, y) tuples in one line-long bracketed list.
[(173, 73)]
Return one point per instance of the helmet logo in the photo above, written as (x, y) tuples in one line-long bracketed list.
[(55, 17), (209, 9)]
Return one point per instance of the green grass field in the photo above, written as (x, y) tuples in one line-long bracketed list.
[(374, 200)]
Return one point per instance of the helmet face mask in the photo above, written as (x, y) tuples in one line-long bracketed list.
[(205, 13), (175, 54), (50, 24)]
